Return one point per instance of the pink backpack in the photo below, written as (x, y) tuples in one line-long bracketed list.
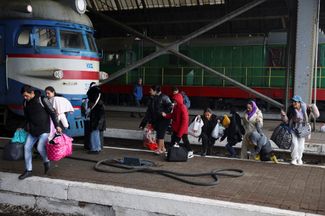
[(59, 147)]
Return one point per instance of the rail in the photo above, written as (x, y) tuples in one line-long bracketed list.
[(195, 76)]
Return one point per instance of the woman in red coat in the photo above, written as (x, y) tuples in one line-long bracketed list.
[(179, 123)]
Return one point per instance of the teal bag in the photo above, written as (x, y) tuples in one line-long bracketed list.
[(20, 136)]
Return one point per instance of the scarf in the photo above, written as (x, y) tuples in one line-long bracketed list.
[(251, 113)]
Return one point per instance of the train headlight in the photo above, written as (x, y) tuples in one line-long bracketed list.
[(103, 75), (81, 6), (29, 8), (58, 74)]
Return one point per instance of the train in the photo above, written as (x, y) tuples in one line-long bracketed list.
[(258, 61), (47, 43)]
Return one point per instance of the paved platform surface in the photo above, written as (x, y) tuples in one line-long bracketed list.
[(297, 188)]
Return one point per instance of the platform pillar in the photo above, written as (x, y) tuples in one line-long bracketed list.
[(307, 28)]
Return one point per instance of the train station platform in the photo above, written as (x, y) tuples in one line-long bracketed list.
[(73, 186)]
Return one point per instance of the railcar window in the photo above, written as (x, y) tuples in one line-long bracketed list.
[(24, 37), (91, 42), (70, 39), (46, 37)]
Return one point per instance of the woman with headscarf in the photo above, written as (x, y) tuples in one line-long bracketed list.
[(295, 117), (253, 120)]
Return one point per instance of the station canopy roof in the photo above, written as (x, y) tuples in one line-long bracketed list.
[(113, 5)]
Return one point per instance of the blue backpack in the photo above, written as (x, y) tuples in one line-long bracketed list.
[(186, 100)]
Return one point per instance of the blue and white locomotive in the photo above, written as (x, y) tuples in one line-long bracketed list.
[(47, 43)]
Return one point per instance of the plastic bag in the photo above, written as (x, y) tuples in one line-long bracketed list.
[(19, 137), (195, 127), (149, 138)]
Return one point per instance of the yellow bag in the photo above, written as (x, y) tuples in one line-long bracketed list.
[(225, 121)]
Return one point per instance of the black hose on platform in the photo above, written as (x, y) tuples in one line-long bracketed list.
[(148, 167)]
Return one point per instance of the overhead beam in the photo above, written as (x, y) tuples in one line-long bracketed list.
[(172, 49)]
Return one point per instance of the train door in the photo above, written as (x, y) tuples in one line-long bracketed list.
[(3, 75)]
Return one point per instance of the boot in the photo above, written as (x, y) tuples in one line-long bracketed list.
[(26, 174), (46, 166), (274, 159)]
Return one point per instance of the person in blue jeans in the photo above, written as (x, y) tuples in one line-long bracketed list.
[(37, 111), (97, 119)]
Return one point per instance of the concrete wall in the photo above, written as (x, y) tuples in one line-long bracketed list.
[(70, 197)]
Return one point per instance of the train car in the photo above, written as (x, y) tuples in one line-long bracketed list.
[(47, 43), (257, 61)]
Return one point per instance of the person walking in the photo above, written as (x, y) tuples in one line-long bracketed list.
[(37, 112), (137, 96), (253, 120), (158, 103), (179, 118), (295, 117)]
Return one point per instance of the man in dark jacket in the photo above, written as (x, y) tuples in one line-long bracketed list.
[(158, 104), (37, 111)]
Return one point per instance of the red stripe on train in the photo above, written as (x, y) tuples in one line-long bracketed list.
[(51, 56), (83, 75)]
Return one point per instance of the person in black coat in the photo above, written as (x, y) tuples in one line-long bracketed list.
[(158, 103), (210, 121), (233, 133), (37, 111), (97, 119)]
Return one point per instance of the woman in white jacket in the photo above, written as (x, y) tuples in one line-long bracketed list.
[(253, 120), (60, 104)]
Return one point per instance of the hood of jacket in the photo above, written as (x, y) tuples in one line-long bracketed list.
[(178, 98)]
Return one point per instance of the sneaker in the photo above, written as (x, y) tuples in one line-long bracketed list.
[(190, 154), (274, 159), (26, 174), (294, 162), (46, 167), (300, 162)]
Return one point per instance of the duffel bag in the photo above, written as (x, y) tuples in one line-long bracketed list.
[(282, 136), (177, 153), (59, 147), (13, 151)]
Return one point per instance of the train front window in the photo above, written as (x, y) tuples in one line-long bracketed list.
[(91, 42), (46, 37), (24, 37), (72, 40)]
